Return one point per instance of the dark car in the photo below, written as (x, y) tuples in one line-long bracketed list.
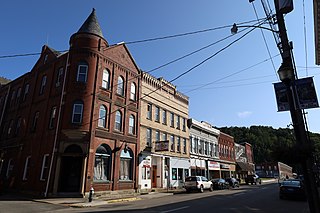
[(292, 188), (233, 182), (253, 179), (220, 183)]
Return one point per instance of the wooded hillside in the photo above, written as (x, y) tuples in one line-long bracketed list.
[(271, 144)]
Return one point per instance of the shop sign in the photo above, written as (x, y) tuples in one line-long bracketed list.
[(224, 166), (213, 165), (162, 146), (146, 163)]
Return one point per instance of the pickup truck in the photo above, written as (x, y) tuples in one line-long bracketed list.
[(253, 179)]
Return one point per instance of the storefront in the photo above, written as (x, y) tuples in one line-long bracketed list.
[(180, 169), (213, 170), (198, 167)]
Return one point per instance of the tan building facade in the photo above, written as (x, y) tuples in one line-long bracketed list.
[(164, 114)]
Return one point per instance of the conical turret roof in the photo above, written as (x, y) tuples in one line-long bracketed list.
[(91, 25)]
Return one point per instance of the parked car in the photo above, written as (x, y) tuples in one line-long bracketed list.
[(233, 182), (220, 183), (253, 179), (292, 188), (199, 183)]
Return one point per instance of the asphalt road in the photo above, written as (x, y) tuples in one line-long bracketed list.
[(246, 199)]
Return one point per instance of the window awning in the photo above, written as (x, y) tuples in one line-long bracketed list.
[(244, 167)]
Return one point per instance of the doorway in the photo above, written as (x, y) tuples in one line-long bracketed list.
[(154, 177), (70, 170)]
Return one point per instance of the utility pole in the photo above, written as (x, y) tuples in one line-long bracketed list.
[(288, 77)]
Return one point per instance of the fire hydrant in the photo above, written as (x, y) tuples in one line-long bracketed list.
[(91, 192)]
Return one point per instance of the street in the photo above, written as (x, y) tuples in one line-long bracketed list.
[(252, 198)]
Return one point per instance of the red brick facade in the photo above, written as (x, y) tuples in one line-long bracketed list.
[(68, 133)]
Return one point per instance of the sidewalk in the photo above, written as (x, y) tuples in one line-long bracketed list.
[(84, 202)]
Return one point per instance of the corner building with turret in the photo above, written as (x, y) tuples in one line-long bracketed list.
[(72, 122)]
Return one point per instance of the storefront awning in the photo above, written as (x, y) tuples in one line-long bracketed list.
[(244, 167)]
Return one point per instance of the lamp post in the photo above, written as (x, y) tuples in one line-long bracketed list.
[(288, 77)]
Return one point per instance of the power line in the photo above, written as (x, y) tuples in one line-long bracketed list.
[(265, 42), (232, 74), (188, 33)]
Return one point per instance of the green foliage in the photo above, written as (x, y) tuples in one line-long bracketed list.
[(271, 144)]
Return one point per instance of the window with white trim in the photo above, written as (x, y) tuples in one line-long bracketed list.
[(77, 112), (102, 116), (52, 117), (9, 168), (105, 79), (133, 91), (126, 163), (44, 167), (82, 72), (43, 84), (132, 125), (118, 121), (26, 168), (120, 86)]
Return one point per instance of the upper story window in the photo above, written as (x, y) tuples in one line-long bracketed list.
[(82, 72), (178, 122), (118, 121), (157, 135), (183, 124), (178, 144), (53, 115), (149, 137), (184, 144), (18, 126), (172, 143), (164, 136), (120, 86), (102, 116), (43, 84), (10, 127), (9, 168), (77, 112), (45, 59), (13, 95), (18, 94), (35, 121), (26, 92), (105, 79), (164, 117), (149, 111), (171, 119), (133, 91), (131, 125), (157, 114), (59, 77)]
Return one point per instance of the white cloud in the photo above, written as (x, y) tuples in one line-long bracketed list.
[(244, 114)]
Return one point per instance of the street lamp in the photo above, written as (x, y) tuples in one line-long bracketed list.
[(286, 73), (234, 29)]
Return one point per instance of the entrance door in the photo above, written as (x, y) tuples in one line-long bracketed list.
[(70, 170), (70, 174), (154, 177)]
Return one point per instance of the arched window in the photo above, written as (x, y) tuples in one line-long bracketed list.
[(102, 163), (77, 112), (102, 116), (120, 86), (105, 79), (126, 162), (131, 125), (133, 92), (118, 121), (82, 72)]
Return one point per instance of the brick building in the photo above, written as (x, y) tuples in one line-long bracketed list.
[(72, 121), (226, 155), (164, 114)]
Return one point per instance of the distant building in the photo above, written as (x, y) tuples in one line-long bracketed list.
[(164, 136), (244, 159), (227, 155), (72, 122), (204, 149), (274, 169)]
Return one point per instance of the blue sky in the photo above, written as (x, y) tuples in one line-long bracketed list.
[(232, 88)]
